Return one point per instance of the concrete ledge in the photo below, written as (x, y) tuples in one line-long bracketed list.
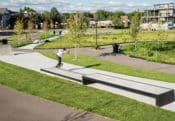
[(64, 73), (162, 95)]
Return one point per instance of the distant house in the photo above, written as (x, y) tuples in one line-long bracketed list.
[(101, 24), (105, 24), (125, 19), (5, 16)]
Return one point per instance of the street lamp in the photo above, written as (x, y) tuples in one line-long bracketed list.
[(26, 14), (96, 32)]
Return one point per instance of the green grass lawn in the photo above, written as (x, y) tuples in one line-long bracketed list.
[(16, 44), (117, 68), (152, 51), (106, 30), (45, 35), (118, 37), (79, 96), (18, 41)]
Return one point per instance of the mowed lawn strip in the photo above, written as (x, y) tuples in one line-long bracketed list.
[(113, 67), (119, 36), (79, 96)]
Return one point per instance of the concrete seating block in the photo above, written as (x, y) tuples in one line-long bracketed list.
[(162, 95), (64, 73)]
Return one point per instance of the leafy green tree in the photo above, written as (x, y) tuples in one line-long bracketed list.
[(55, 16), (45, 16), (134, 28), (118, 13), (27, 9), (116, 18), (117, 21), (30, 27), (101, 15), (27, 15), (19, 28), (77, 26), (88, 15)]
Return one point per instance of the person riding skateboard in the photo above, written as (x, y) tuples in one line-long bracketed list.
[(59, 56)]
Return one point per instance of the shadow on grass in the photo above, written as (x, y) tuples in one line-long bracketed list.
[(88, 66)]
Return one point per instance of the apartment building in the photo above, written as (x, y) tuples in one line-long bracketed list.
[(4, 17), (164, 13)]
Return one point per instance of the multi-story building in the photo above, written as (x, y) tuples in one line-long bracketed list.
[(160, 13), (4, 17)]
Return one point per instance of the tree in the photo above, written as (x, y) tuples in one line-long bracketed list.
[(134, 28), (29, 14), (45, 25), (28, 9), (101, 15), (45, 15), (117, 21), (88, 15), (30, 27), (77, 26), (116, 18), (19, 28), (55, 16)]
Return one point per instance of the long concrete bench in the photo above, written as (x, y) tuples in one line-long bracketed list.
[(162, 95), (64, 73)]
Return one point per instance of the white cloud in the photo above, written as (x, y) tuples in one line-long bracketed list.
[(74, 5)]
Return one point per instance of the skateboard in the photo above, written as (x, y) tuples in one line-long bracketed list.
[(59, 66)]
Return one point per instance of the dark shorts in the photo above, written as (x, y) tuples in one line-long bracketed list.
[(59, 60)]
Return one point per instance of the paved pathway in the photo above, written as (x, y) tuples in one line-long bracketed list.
[(105, 53), (17, 106)]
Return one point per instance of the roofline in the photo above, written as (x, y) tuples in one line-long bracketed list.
[(164, 4)]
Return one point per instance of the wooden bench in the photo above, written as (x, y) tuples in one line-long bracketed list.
[(162, 95)]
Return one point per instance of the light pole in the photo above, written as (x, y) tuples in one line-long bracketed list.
[(96, 32), (26, 14)]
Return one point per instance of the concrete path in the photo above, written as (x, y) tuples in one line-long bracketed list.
[(32, 46), (105, 54), (17, 106)]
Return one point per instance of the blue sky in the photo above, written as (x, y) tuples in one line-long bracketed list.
[(82, 5)]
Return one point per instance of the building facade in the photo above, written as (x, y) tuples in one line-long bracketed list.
[(164, 13), (5, 15)]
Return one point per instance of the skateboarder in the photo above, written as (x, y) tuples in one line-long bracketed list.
[(59, 57)]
